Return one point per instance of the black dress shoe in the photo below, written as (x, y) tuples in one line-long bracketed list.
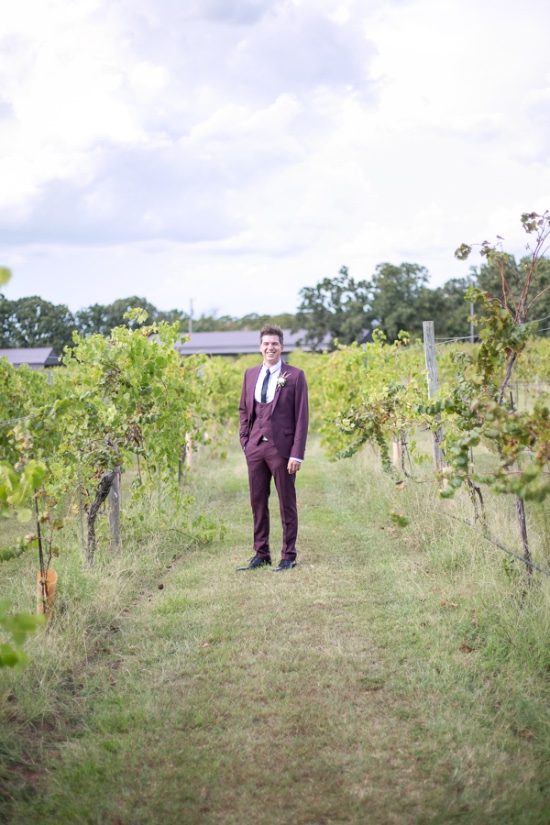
[(284, 564), (254, 563)]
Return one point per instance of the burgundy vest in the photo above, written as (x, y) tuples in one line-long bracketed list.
[(261, 427)]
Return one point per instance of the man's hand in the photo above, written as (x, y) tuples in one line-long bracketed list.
[(293, 466)]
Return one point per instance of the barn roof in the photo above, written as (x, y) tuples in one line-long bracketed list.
[(35, 357), (236, 342)]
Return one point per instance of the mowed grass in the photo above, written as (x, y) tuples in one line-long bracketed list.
[(395, 676)]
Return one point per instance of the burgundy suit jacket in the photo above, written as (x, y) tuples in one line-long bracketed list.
[(289, 414)]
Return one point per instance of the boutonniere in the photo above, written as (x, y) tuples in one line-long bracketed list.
[(281, 380)]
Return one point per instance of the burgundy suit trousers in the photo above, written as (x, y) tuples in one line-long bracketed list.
[(264, 463)]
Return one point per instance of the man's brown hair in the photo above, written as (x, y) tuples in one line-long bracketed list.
[(272, 329)]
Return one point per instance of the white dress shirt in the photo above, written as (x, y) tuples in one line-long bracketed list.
[(272, 386)]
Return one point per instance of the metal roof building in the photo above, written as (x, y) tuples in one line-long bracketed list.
[(235, 342), (36, 357), (246, 342)]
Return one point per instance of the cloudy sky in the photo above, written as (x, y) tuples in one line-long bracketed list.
[(231, 152)]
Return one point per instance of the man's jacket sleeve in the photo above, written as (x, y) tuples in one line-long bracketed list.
[(244, 417), (301, 417)]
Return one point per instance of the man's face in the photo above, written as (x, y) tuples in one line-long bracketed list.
[(271, 349)]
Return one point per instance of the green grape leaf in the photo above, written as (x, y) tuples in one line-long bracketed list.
[(399, 520)]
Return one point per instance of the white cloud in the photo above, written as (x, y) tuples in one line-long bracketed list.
[(63, 76), (246, 148)]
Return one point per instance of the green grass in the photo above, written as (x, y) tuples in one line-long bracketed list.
[(395, 676)]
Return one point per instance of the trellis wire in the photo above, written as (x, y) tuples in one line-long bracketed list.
[(491, 540)]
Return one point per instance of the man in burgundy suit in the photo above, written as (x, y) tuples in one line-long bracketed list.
[(273, 429)]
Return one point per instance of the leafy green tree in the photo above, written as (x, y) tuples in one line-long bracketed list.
[(214, 323), (100, 319), (400, 299), (448, 307), (170, 316), (397, 298), (335, 307), (6, 324), (252, 321), (285, 320), (503, 279), (34, 322)]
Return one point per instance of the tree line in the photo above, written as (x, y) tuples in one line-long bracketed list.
[(398, 298), (34, 322), (395, 298)]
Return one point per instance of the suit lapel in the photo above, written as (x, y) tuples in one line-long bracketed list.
[(254, 380), (278, 392)]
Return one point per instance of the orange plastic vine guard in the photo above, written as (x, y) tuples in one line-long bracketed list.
[(45, 592)]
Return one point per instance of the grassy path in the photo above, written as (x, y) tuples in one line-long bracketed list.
[(334, 693)]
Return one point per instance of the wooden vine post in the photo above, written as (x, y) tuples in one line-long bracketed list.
[(397, 453), (189, 450), (114, 511), (433, 386), (186, 457)]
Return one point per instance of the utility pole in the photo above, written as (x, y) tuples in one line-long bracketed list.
[(190, 316)]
